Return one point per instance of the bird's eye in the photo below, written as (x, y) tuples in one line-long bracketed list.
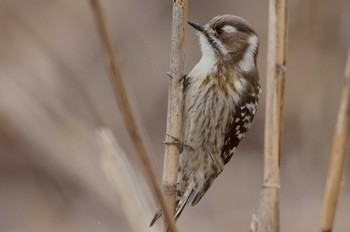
[(219, 31)]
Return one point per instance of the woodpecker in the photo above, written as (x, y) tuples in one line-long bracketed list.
[(221, 96)]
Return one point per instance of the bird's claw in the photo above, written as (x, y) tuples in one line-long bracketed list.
[(180, 144), (171, 77), (183, 78)]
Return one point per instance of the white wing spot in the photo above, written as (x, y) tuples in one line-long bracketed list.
[(232, 150), (250, 106), (247, 125)]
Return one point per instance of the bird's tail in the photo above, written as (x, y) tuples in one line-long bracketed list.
[(156, 217), (180, 205)]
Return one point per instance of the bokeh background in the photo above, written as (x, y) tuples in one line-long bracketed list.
[(55, 93)]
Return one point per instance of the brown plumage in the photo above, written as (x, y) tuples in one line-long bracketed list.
[(221, 97)]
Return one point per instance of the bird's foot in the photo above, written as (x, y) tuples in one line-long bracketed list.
[(180, 144), (171, 77)]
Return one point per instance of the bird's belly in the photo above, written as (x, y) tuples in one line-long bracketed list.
[(206, 118)]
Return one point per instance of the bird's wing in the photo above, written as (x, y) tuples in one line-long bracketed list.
[(241, 122)]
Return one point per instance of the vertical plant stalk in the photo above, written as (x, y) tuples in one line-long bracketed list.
[(268, 215), (337, 159), (125, 108), (175, 101)]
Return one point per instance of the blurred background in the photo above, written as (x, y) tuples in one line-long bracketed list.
[(55, 93)]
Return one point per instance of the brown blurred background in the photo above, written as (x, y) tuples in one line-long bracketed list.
[(55, 92)]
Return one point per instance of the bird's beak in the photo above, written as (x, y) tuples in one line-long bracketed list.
[(197, 26)]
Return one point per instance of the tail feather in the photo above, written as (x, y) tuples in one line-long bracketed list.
[(201, 192), (180, 205), (183, 201), (156, 217)]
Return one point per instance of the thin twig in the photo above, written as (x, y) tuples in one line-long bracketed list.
[(118, 171), (336, 163), (125, 108), (175, 100), (268, 216)]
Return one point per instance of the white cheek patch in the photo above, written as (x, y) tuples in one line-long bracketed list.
[(247, 63), (207, 49), (229, 29), (207, 62)]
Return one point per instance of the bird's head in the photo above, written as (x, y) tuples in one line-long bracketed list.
[(230, 39)]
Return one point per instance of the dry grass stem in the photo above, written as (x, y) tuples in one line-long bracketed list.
[(118, 171), (337, 159), (175, 101), (268, 216), (125, 108)]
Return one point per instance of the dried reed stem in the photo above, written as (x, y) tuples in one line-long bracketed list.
[(125, 108), (118, 171), (175, 101), (268, 216), (336, 163)]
